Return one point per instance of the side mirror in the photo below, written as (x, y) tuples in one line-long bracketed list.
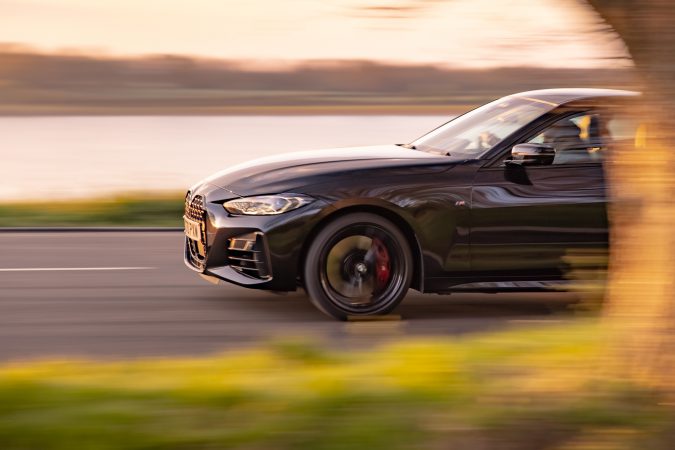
[(532, 154)]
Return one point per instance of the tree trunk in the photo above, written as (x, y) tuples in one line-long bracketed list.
[(641, 304)]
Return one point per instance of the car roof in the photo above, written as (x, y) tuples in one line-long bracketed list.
[(561, 96)]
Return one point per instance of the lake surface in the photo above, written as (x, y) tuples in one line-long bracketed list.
[(70, 157)]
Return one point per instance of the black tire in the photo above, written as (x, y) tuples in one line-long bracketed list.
[(359, 264)]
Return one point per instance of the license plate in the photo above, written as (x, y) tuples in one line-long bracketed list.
[(193, 229)]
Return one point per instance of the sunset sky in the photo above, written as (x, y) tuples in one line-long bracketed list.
[(476, 33)]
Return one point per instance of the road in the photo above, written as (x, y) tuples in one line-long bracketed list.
[(127, 294)]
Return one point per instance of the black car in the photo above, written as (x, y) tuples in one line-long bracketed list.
[(498, 198)]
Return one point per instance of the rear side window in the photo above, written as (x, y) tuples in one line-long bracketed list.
[(623, 128)]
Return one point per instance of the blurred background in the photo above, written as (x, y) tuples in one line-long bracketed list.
[(110, 97), (110, 110)]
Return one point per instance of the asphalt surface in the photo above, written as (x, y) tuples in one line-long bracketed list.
[(128, 294)]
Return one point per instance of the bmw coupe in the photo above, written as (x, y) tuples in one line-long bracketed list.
[(495, 199)]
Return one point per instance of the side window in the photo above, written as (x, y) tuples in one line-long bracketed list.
[(579, 138)]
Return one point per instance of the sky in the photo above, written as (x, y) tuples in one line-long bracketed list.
[(463, 33)]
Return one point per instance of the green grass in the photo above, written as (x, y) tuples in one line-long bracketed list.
[(155, 209), (548, 388)]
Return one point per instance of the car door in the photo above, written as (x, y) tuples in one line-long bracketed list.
[(531, 221)]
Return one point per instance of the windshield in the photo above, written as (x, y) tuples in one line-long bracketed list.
[(473, 134)]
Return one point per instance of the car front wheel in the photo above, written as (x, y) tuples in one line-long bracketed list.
[(359, 264)]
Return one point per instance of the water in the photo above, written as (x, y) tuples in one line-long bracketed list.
[(71, 157)]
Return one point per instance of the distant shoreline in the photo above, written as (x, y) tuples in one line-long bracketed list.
[(37, 84)]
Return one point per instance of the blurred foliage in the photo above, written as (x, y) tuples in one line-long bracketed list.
[(587, 272), (37, 83), (526, 389), (156, 209)]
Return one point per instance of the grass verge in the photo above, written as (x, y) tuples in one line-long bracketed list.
[(155, 209), (530, 389)]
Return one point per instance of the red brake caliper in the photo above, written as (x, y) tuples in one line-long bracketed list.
[(382, 269)]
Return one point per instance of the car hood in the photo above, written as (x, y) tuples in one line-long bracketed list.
[(289, 171)]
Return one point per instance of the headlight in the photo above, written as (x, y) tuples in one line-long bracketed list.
[(266, 205)]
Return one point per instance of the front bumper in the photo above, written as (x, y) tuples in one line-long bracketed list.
[(253, 251)]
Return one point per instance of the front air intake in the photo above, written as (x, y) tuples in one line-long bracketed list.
[(247, 254)]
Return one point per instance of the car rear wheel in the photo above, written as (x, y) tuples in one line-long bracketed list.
[(359, 264)]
